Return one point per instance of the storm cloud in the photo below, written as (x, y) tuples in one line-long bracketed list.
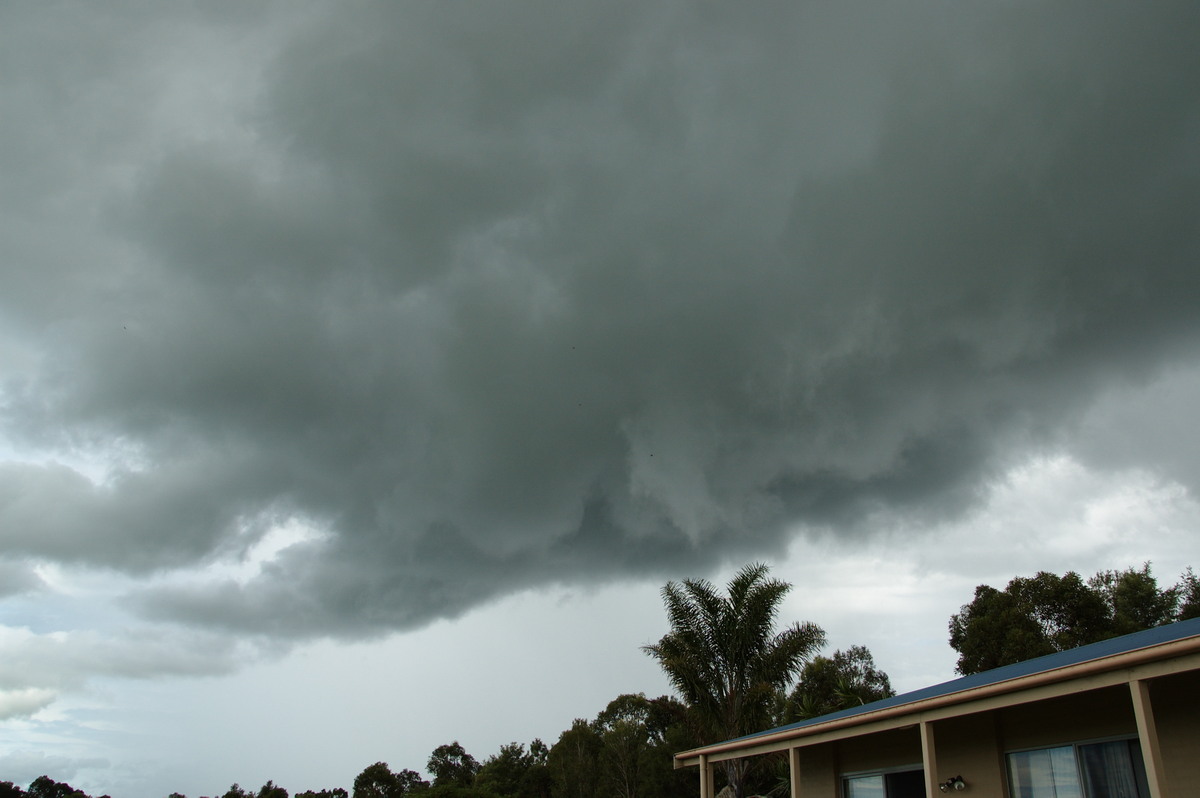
[(494, 296)]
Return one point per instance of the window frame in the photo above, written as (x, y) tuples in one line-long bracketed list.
[(885, 772), (1074, 745)]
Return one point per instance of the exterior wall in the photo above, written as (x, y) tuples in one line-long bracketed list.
[(1176, 703), (822, 766), (819, 772), (884, 751), (969, 746), (1083, 716)]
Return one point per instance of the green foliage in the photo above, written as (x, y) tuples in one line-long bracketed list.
[(451, 765), (457, 791), (411, 782), (507, 774), (723, 654), (624, 742), (336, 792), (271, 790), (849, 678), (10, 790), (573, 762), (626, 751), (1046, 613), (378, 781), (725, 658), (235, 791), (1189, 596), (537, 783), (1133, 599), (46, 787)]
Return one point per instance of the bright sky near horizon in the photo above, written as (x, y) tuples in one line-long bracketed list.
[(366, 368)]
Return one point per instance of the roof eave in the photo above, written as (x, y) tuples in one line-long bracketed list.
[(1126, 659)]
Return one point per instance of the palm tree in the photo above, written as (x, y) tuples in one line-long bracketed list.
[(725, 658)]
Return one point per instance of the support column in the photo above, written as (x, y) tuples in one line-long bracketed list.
[(794, 770), (929, 759), (1143, 710), (706, 778)]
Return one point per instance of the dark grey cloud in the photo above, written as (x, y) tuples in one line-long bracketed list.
[(18, 578), (549, 293)]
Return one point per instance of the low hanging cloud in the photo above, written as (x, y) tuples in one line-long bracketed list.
[(565, 291), (24, 702), (38, 666)]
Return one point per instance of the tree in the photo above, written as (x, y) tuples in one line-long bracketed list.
[(624, 732), (235, 791), (46, 787), (1046, 613), (725, 658), (536, 783), (672, 728), (336, 792), (272, 790), (503, 773), (411, 781), (827, 684), (10, 790), (1189, 596), (451, 765), (1133, 599), (378, 781), (573, 762)]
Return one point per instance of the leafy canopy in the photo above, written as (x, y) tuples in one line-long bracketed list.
[(1045, 613), (723, 654), (848, 679)]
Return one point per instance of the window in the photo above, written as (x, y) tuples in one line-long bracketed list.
[(1110, 769), (898, 784)]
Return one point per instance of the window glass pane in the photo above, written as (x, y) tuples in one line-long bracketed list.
[(905, 784), (1110, 770), (1049, 773), (864, 787)]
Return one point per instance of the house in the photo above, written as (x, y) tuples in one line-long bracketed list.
[(1115, 719)]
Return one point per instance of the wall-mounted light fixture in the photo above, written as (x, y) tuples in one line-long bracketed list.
[(955, 783)]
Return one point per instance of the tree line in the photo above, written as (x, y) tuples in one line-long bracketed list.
[(735, 673)]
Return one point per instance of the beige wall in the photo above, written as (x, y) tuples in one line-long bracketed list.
[(968, 746), (1176, 703), (822, 766), (885, 751), (1083, 716), (819, 772)]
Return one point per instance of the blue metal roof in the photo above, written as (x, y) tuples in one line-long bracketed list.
[(1061, 659)]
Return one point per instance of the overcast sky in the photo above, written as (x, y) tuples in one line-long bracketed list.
[(366, 368)]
